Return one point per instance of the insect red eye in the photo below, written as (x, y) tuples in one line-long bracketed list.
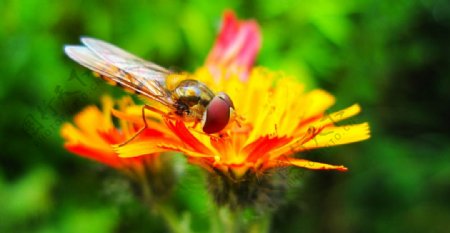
[(226, 98), (217, 114)]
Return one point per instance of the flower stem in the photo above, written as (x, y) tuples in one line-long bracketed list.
[(175, 224), (163, 209), (236, 221)]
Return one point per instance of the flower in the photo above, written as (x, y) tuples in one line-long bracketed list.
[(94, 134), (275, 120)]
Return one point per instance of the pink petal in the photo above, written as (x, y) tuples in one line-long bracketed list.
[(235, 48)]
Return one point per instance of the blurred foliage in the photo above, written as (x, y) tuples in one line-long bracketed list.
[(392, 57)]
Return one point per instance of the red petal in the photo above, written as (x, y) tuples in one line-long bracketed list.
[(183, 133), (106, 157), (262, 145)]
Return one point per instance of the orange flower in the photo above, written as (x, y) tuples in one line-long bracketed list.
[(94, 135)]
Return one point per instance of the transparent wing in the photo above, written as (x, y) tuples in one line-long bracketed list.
[(126, 61), (149, 87)]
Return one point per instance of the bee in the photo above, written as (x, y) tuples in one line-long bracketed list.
[(188, 99)]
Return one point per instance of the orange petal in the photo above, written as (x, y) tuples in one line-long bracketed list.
[(73, 135)]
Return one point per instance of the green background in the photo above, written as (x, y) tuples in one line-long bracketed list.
[(391, 57)]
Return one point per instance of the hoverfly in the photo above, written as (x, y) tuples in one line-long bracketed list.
[(188, 99)]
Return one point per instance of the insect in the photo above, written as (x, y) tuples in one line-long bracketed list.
[(188, 99)]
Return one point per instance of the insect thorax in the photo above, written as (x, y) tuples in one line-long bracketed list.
[(192, 98)]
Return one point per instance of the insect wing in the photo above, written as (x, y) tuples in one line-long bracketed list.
[(149, 74), (128, 62), (151, 89), (120, 57)]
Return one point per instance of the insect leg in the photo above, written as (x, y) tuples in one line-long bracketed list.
[(144, 119), (195, 124)]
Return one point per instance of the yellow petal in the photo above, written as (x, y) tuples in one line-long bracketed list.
[(333, 136), (134, 149), (337, 116), (90, 120), (316, 102), (108, 104), (308, 164)]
